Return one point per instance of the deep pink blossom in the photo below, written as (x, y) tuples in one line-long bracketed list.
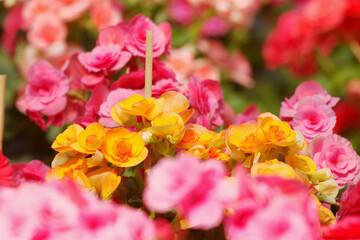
[(348, 228), (93, 80), (305, 89), (249, 115), (6, 171), (46, 90), (191, 188), (206, 97), (215, 27), (74, 108), (163, 86), (336, 153), (350, 201), (313, 118), (105, 57), (136, 36), (34, 170), (182, 12)]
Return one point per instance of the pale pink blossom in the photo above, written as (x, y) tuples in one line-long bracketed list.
[(205, 69), (191, 188), (105, 13), (46, 90), (113, 97), (70, 10), (271, 208), (105, 57), (206, 97), (34, 170), (181, 61), (112, 34), (305, 89), (313, 117), (336, 153), (64, 211), (136, 36), (47, 31), (33, 8), (240, 70)]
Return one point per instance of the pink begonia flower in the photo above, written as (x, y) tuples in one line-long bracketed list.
[(105, 57), (228, 115), (249, 115), (216, 51), (93, 80), (112, 17), (47, 31), (205, 69), (74, 108), (34, 170), (136, 36), (70, 10), (75, 72), (191, 188), (61, 210), (313, 118), (163, 86), (164, 230), (271, 208), (350, 201), (6, 171), (112, 98), (13, 22), (336, 153), (112, 34), (182, 12), (305, 89), (46, 90), (38, 119), (215, 27), (347, 228), (206, 97)]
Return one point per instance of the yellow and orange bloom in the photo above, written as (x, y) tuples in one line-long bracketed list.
[(64, 140), (273, 168), (123, 148), (301, 162), (196, 135), (277, 132), (105, 181), (91, 139), (245, 137)]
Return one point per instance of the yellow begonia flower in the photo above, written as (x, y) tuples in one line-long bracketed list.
[(124, 111), (91, 139), (123, 148), (245, 137), (267, 115), (273, 168), (64, 140), (105, 181), (323, 182), (174, 102), (197, 135), (301, 162), (277, 132), (325, 215)]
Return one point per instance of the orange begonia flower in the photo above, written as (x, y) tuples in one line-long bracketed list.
[(91, 139), (277, 132), (245, 137), (105, 181), (69, 136), (123, 148)]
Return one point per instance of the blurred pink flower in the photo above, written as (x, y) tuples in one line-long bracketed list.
[(104, 58), (205, 69), (181, 61), (6, 171), (136, 36), (305, 89), (46, 90), (350, 201), (313, 118), (33, 8), (74, 108), (191, 188), (249, 115), (112, 34), (105, 13), (34, 170), (336, 153), (64, 211), (182, 12), (47, 31), (206, 97), (240, 70), (164, 230), (112, 98), (70, 10), (347, 228), (272, 208), (215, 27)]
